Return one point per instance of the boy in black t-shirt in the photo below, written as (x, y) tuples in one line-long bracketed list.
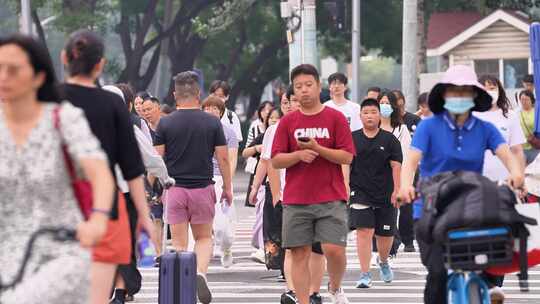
[(374, 183)]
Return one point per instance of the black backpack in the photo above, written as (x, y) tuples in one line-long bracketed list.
[(465, 199)]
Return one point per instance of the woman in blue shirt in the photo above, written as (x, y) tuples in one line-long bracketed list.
[(452, 140)]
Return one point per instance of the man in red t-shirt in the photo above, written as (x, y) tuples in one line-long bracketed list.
[(312, 144)]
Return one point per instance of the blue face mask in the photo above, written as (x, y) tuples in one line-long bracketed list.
[(458, 105), (386, 110)]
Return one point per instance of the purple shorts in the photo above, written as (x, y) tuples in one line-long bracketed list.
[(196, 206)]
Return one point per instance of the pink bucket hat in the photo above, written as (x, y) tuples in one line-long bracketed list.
[(459, 75)]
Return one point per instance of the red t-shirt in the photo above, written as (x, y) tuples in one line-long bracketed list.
[(321, 181)]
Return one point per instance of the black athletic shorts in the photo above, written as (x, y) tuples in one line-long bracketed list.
[(383, 220)]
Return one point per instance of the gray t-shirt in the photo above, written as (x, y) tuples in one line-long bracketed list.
[(232, 142), (190, 138)]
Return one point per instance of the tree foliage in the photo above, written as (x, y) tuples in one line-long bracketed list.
[(380, 28), (241, 41), (251, 53), (483, 6)]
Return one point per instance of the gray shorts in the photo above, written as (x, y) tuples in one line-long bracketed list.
[(304, 225)]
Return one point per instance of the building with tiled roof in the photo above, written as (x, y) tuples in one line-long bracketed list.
[(497, 44)]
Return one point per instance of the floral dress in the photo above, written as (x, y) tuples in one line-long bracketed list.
[(35, 192)]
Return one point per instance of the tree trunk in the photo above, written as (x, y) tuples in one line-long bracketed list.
[(255, 95), (226, 69), (163, 65), (255, 67), (182, 58), (421, 38)]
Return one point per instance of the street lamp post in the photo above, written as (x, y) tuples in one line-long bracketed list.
[(26, 17)]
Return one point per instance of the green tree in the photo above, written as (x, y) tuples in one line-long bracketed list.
[(380, 27), (207, 21), (249, 55)]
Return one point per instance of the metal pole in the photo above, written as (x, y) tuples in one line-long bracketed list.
[(295, 57), (26, 17), (309, 32), (356, 51), (409, 75)]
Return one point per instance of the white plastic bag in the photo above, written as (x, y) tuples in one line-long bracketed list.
[(251, 165), (224, 225)]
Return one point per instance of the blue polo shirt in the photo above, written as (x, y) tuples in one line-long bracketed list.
[(447, 147)]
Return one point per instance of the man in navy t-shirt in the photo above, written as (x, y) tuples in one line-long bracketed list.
[(188, 139)]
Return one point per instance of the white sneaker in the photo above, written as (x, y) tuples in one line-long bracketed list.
[(374, 260), (216, 251), (338, 297), (496, 295), (227, 258), (258, 256)]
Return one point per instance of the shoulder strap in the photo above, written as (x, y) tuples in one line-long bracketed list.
[(67, 158), (230, 116)]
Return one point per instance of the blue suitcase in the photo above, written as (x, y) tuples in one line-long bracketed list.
[(178, 278)]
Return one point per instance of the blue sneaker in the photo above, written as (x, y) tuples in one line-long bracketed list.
[(387, 275), (365, 280)]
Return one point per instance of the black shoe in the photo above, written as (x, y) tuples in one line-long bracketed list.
[(119, 296), (281, 278), (315, 298), (289, 298), (409, 248), (130, 298), (203, 292)]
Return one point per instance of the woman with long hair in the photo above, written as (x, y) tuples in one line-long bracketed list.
[(392, 121), (259, 125), (110, 122), (257, 128), (507, 122), (35, 182)]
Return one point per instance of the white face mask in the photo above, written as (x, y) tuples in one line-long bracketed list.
[(494, 95)]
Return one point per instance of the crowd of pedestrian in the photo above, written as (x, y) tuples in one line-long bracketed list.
[(150, 164)]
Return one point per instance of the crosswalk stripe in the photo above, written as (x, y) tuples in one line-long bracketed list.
[(351, 296), (347, 287)]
